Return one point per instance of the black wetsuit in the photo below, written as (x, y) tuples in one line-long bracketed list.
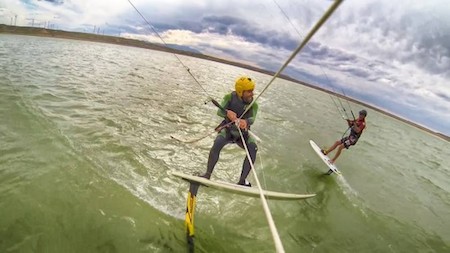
[(231, 134)]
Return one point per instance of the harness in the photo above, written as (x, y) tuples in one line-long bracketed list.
[(355, 134), (238, 106)]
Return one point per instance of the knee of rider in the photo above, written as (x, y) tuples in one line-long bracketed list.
[(219, 139)]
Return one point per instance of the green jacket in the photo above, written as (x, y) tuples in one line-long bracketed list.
[(232, 102)]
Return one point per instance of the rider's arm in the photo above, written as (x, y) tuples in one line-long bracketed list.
[(226, 99)]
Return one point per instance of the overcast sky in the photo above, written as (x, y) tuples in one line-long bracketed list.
[(394, 55)]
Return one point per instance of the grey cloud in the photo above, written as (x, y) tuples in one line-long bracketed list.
[(316, 50), (251, 32), (429, 46), (57, 2), (230, 25), (164, 26), (339, 61), (360, 72), (410, 34), (443, 96), (224, 20), (344, 58), (193, 26), (427, 36)]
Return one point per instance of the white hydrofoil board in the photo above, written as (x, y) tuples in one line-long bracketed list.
[(324, 158), (240, 189)]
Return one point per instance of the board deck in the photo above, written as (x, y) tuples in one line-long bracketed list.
[(239, 189), (324, 158)]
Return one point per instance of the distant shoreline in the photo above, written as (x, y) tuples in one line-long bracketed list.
[(42, 32)]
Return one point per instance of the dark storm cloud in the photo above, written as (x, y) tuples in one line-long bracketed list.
[(319, 54), (57, 2), (360, 72), (225, 21), (193, 26), (226, 25), (316, 50), (164, 26), (443, 96), (344, 58)]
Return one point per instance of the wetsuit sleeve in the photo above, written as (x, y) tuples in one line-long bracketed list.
[(226, 99), (253, 112)]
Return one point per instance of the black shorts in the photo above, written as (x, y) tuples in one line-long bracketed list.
[(349, 141)]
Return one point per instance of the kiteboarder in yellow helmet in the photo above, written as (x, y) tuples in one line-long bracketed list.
[(235, 104), (244, 83)]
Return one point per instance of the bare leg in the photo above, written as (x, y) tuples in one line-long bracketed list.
[(337, 143), (338, 153)]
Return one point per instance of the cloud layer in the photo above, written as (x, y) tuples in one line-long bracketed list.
[(394, 55)]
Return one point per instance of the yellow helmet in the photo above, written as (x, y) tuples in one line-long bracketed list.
[(243, 83)]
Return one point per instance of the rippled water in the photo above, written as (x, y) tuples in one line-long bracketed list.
[(86, 151)]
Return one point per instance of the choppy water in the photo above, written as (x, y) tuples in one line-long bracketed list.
[(85, 151)]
